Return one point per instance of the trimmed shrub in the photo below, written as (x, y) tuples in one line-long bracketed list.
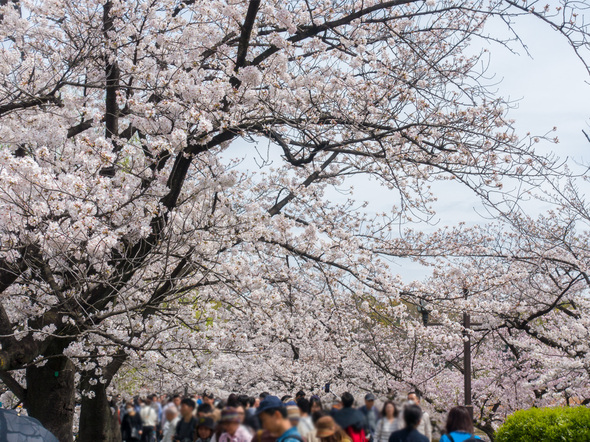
[(546, 425)]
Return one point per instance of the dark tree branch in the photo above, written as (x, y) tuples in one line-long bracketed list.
[(79, 128), (314, 30), (274, 210), (244, 42), (19, 391), (112, 80), (26, 104)]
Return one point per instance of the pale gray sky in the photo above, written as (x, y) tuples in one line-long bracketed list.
[(549, 89)]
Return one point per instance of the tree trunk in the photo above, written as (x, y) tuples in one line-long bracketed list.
[(50, 396), (98, 423)]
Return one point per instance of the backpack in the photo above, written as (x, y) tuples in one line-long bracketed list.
[(471, 439), (356, 436)]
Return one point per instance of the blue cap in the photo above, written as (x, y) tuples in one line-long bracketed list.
[(268, 403)]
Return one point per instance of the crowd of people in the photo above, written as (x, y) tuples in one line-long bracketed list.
[(268, 418)]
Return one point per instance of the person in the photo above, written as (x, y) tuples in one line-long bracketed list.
[(425, 426), (176, 400), (131, 424), (218, 431), (350, 419), (232, 400), (158, 407), (241, 411), (336, 406), (149, 419), (287, 398), (207, 408), (412, 417), (209, 398), (169, 403), (244, 400), (371, 415), (255, 402), (305, 425), (219, 406), (388, 423), (242, 416), (123, 408), (315, 404), (171, 419), (251, 418), (204, 410), (205, 429), (299, 395), (328, 431), (273, 417), (115, 407), (313, 436), (459, 426), (233, 430), (266, 436), (293, 413), (185, 428)]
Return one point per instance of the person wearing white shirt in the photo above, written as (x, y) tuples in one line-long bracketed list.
[(388, 423), (149, 420), (172, 418), (305, 425)]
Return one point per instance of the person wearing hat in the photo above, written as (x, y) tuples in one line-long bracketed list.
[(371, 415), (274, 419), (293, 413), (204, 430), (233, 430), (328, 431)]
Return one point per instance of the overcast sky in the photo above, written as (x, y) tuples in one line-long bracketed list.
[(549, 87)]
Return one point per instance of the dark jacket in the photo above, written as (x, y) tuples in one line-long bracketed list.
[(128, 423), (407, 435), (371, 417), (251, 420), (350, 417), (185, 431)]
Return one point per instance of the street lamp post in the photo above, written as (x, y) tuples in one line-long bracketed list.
[(467, 363), (466, 350), (467, 356)]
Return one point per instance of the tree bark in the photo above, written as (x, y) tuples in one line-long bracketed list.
[(97, 422), (50, 396)]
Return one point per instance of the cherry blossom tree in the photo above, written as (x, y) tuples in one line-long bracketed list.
[(528, 296), (528, 300), (126, 235)]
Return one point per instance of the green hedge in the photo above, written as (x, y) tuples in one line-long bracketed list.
[(546, 425)]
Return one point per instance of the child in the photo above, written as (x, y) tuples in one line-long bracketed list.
[(204, 430), (234, 432)]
